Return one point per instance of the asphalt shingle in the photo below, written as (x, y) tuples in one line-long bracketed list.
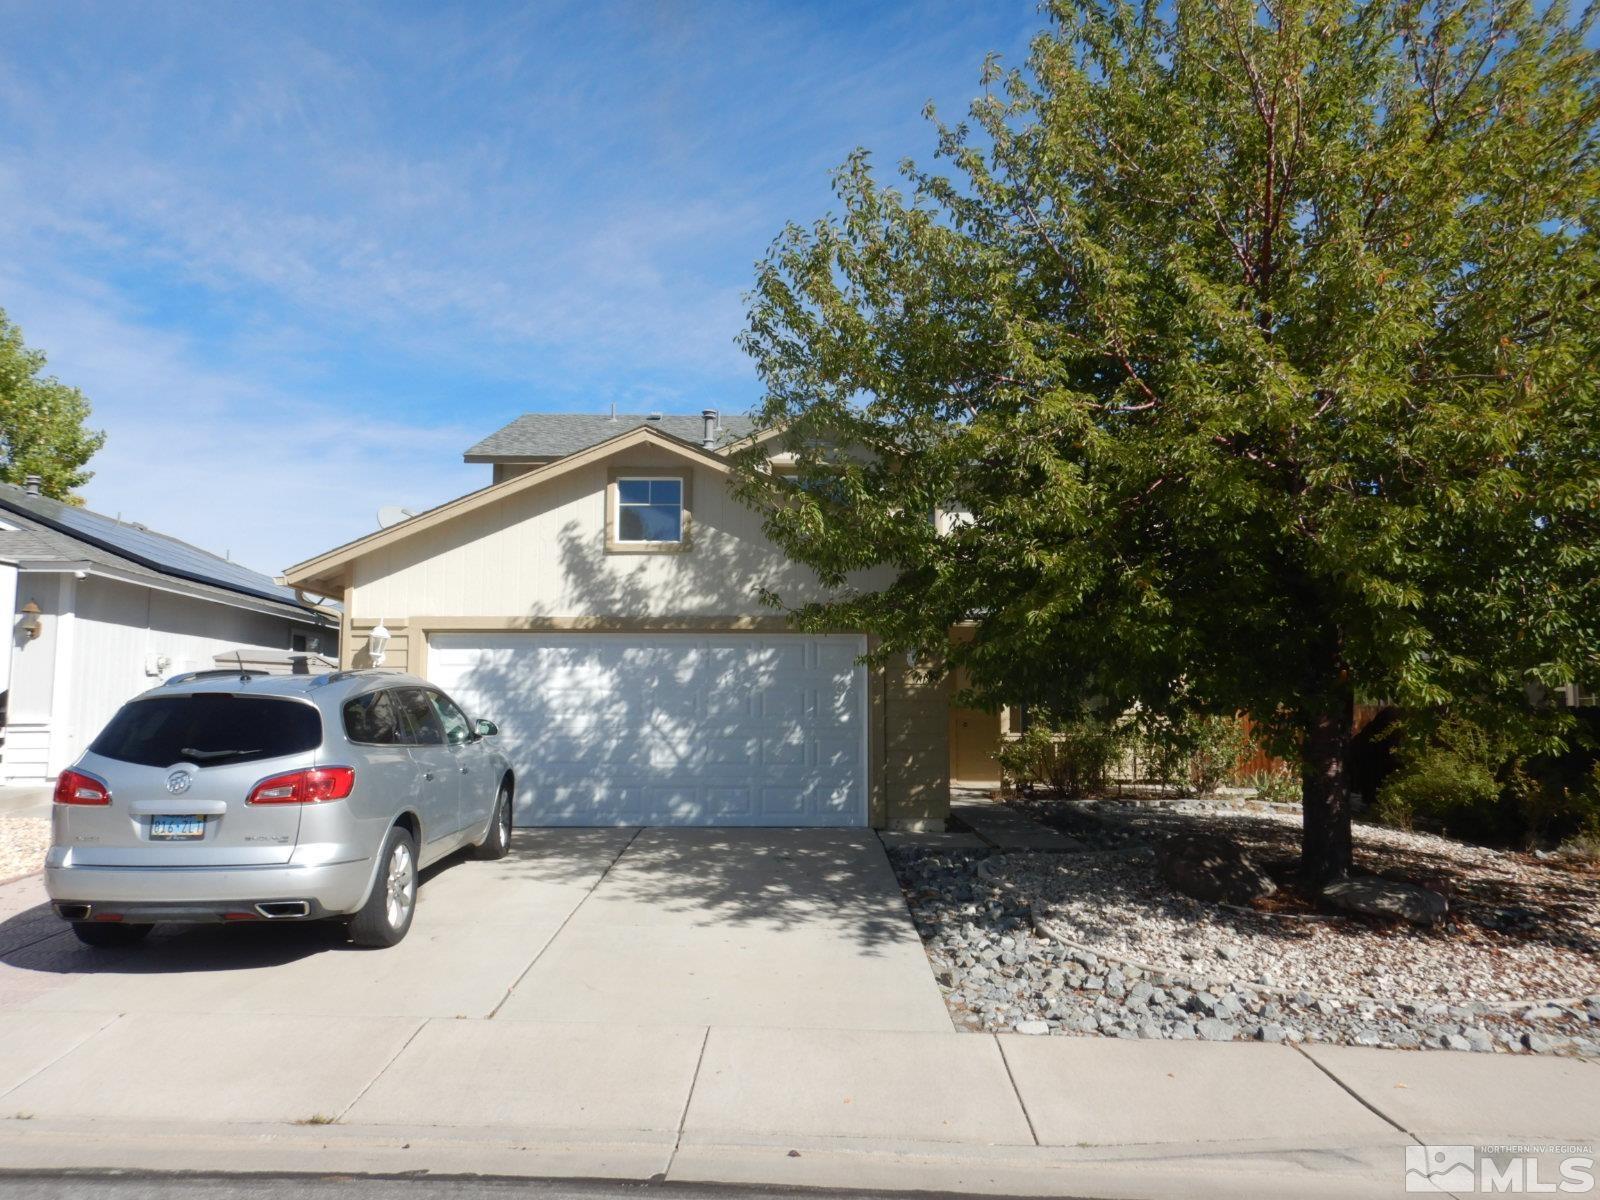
[(555, 435)]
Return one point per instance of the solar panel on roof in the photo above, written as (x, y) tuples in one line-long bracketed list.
[(153, 549)]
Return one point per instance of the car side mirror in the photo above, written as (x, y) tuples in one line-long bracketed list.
[(487, 728)]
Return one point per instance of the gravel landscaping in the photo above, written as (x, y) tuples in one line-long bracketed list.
[(1095, 943), (23, 841)]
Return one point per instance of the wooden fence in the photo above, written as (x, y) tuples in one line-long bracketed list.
[(1258, 761)]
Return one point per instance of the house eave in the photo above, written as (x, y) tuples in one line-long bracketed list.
[(314, 616)]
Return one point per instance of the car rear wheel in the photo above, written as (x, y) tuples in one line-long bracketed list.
[(498, 841), (108, 935), (386, 916)]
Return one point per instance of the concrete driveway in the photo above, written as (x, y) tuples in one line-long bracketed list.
[(798, 928)]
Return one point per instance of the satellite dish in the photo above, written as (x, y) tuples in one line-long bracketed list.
[(393, 514)]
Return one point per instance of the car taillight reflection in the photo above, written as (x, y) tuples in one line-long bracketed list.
[(314, 785), (74, 787)]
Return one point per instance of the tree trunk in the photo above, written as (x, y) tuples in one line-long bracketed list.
[(1325, 849)]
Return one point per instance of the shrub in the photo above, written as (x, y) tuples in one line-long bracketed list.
[(1073, 758), (1548, 807), (1441, 788), (1279, 785), (1198, 752), (1462, 781), (1213, 748), (1584, 848)]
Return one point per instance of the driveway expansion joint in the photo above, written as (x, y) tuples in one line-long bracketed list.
[(1355, 1095), (1015, 1090), (567, 920), (379, 1073), (688, 1099), (31, 1076)]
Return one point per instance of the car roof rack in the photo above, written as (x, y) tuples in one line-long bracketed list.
[(216, 673), (354, 673)]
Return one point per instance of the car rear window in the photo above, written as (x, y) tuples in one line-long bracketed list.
[(209, 729)]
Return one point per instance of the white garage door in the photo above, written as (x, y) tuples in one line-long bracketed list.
[(670, 729)]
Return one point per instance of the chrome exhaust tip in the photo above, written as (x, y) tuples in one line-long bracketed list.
[(73, 912), (273, 909)]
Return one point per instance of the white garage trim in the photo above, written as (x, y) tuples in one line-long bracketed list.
[(647, 728)]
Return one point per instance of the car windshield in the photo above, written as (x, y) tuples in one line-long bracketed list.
[(210, 729)]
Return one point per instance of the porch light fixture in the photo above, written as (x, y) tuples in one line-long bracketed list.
[(378, 642), (31, 625)]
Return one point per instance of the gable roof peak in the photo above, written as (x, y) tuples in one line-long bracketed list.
[(548, 435)]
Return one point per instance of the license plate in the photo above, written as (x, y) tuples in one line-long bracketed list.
[(177, 828)]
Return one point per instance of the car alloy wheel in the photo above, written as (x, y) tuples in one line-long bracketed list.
[(401, 885)]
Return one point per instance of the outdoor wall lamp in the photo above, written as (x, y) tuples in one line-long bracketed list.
[(378, 642), (32, 624)]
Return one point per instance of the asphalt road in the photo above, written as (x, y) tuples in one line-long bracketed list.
[(138, 1186)]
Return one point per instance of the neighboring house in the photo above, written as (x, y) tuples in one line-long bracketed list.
[(601, 601), (102, 610)]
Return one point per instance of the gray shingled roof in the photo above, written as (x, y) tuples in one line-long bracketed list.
[(48, 531), (555, 435)]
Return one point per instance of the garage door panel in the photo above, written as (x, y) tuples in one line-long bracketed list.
[(780, 703), (731, 804), (783, 802), (671, 728), (729, 700), (788, 750), (721, 752), (837, 658), (838, 753)]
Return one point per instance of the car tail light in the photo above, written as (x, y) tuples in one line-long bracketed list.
[(74, 787), (310, 786)]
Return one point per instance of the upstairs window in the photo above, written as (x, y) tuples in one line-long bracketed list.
[(649, 511)]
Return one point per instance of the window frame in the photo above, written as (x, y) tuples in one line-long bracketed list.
[(614, 542)]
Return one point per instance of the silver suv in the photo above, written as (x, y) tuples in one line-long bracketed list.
[(227, 796)]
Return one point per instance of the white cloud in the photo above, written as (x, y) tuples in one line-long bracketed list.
[(236, 466), (301, 256)]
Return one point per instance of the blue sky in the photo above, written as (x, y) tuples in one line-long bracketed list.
[(300, 256)]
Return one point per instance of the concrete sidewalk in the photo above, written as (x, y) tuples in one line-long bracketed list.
[(823, 1107)]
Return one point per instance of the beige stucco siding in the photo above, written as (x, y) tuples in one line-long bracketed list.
[(541, 553), (916, 755)]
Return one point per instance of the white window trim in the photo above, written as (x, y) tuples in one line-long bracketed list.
[(683, 510)]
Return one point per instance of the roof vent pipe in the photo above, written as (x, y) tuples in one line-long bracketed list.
[(710, 438), (31, 485), (613, 410)]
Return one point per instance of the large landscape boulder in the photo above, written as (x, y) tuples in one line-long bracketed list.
[(1373, 896), (1212, 869)]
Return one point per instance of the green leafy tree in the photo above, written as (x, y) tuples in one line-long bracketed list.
[(42, 430), (1253, 348)]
